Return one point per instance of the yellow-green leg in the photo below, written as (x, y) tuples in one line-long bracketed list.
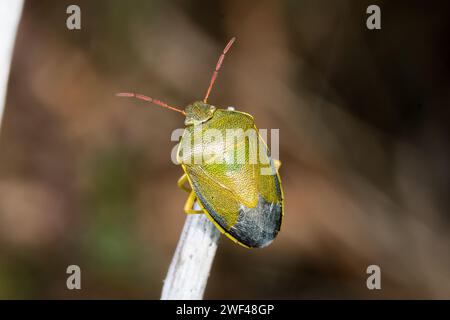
[(190, 203), (192, 197), (182, 183)]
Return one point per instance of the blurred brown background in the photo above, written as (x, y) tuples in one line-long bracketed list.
[(86, 178)]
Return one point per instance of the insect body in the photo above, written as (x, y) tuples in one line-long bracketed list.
[(244, 204)]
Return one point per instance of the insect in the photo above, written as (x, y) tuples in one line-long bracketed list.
[(243, 204)]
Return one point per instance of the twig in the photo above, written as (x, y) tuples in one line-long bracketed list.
[(189, 270), (10, 12)]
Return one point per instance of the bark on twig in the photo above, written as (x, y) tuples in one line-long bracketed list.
[(189, 270)]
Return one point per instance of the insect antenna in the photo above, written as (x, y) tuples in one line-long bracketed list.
[(218, 65), (148, 99)]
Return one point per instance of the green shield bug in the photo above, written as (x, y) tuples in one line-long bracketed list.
[(244, 204)]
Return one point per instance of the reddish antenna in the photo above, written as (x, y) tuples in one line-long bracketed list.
[(218, 65), (148, 99)]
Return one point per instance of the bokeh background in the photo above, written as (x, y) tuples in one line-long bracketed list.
[(86, 178)]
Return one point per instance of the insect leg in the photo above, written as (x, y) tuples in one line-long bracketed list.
[(181, 183), (190, 203)]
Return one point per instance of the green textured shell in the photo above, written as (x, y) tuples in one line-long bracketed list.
[(243, 203)]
